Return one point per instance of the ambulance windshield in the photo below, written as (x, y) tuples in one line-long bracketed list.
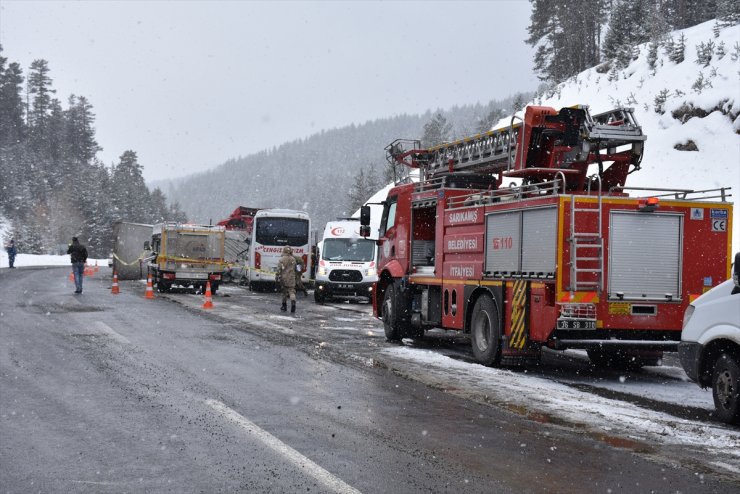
[(348, 249)]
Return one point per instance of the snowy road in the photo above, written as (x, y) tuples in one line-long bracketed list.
[(104, 393)]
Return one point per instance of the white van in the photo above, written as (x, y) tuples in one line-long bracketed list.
[(347, 264), (710, 344)]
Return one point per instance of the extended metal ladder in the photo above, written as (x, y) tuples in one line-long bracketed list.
[(586, 267)]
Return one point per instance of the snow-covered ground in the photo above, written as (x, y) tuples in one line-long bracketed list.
[(23, 260), (717, 161)]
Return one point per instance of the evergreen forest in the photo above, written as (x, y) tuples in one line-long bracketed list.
[(52, 186)]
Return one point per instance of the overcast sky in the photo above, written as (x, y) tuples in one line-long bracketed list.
[(188, 85)]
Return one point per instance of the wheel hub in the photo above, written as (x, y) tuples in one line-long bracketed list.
[(725, 388), (482, 330)]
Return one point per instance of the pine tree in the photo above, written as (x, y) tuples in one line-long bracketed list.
[(357, 192), (12, 127), (628, 27), (728, 12), (39, 85), (686, 13), (567, 43), (130, 195), (372, 181), (491, 119), (436, 131), (80, 131), (679, 50)]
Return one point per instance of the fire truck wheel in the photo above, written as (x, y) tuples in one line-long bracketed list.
[(395, 327), (726, 389), (485, 332), (163, 287)]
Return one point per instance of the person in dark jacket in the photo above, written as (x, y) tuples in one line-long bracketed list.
[(12, 251), (78, 256)]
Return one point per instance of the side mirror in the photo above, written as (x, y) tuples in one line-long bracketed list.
[(736, 271), (365, 217), (365, 231)]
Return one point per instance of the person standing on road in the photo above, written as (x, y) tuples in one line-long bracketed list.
[(12, 251), (78, 256), (286, 273)]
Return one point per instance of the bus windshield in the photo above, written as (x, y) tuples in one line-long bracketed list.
[(348, 249), (282, 231)]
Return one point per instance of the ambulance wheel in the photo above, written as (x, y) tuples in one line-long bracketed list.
[(394, 325), (726, 389), (485, 332)]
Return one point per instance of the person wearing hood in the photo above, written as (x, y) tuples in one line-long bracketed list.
[(286, 273), (78, 255)]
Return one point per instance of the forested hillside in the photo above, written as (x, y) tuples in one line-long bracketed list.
[(320, 174), (52, 186)]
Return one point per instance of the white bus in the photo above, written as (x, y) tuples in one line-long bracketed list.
[(272, 230)]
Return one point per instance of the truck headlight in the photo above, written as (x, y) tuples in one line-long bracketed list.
[(687, 315), (322, 270), (370, 272)]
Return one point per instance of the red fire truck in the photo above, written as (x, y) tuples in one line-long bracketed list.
[(570, 257)]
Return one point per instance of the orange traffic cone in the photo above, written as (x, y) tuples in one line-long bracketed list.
[(71, 277), (208, 303), (96, 268), (114, 289), (149, 292), (88, 270)]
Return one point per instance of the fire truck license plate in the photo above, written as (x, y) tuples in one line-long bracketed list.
[(570, 324)]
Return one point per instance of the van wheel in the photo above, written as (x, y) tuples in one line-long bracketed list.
[(393, 323), (726, 389), (485, 332)]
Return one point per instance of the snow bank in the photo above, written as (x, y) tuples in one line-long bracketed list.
[(712, 129)]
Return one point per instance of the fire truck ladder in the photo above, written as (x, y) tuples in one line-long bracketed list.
[(586, 247)]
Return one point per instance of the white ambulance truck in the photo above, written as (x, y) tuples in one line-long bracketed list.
[(347, 265)]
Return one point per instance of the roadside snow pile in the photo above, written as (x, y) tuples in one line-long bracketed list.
[(689, 110)]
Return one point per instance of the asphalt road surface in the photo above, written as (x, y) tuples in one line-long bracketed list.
[(116, 393)]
